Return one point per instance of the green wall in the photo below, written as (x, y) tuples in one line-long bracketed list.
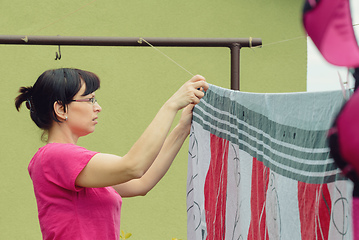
[(135, 83)]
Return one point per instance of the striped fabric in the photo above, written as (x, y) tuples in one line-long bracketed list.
[(259, 168)]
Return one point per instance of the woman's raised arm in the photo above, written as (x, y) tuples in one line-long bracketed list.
[(170, 148), (108, 170)]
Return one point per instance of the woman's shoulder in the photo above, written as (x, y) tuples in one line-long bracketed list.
[(61, 146), (59, 150), (60, 154)]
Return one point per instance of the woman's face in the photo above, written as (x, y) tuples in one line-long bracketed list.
[(82, 114)]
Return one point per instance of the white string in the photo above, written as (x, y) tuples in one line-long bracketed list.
[(142, 39), (286, 40)]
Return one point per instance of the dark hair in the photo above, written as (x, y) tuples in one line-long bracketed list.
[(57, 85)]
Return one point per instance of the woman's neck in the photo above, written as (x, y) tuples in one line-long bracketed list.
[(59, 133)]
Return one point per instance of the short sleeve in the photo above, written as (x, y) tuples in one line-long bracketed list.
[(62, 163)]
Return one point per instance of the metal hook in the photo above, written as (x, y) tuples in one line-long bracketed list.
[(58, 54)]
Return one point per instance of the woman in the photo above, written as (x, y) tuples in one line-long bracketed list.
[(78, 192)]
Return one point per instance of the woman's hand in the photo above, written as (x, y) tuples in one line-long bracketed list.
[(186, 119), (190, 93)]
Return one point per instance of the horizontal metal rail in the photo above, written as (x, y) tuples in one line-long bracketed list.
[(235, 44)]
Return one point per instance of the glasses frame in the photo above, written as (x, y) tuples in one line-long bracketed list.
[(93, 100)]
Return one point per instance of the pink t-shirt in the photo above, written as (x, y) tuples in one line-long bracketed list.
[(67, 211)]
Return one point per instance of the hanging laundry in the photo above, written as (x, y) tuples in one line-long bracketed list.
[(259, 168)]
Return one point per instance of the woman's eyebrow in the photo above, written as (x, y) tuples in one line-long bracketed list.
[(90, 95)]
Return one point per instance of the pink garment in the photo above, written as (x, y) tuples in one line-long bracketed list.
[(348, 130), (329, 25), (67, 211)]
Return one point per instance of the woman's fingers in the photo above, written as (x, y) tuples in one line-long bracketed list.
[(199, 94), (198, 86), (190, 92), (199, 82), (197, 78)]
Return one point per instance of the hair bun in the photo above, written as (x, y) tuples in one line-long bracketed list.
[(25, 95), (26, 90)]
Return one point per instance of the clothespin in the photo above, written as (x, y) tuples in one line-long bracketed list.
[(345, 89), (58, 54)]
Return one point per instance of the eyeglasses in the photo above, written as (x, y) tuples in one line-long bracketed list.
[(92, 100)]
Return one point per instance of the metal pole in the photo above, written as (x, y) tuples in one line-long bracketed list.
[(235, 66), (235, 44), (128, 41)]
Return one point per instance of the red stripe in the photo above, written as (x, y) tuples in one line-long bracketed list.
[(215, 189), (260, 177), (314, 210)]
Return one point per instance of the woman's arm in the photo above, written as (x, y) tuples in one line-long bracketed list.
[(109, 170), (173, 143)]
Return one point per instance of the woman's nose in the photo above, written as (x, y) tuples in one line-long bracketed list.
[(97, 107)]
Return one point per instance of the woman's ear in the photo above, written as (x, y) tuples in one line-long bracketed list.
[(60, 111)]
